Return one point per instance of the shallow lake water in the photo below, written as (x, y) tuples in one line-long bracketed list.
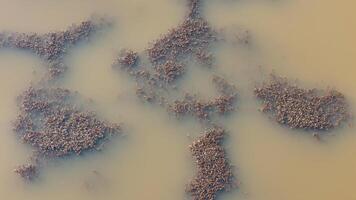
[(312, 41)]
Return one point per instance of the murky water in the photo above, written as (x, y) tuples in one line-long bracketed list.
[(312, 41)]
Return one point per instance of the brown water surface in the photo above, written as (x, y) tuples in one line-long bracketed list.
[(309, 40)]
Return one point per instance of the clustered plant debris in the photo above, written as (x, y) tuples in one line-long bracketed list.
[(169, 71), (128, 58), (156, 80), (49, 121), (55, 127), (299, 108), (168, 55), (52, 46), (203, 110), (192, 37), (214, 173), (194, 8), (27, 171)]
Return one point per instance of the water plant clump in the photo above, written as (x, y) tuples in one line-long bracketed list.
[(169, 71), (204, 57), (191, 37), (155, 86), (52, 46), (55, 127), (168, 56), (214, 173), (192, 105), (27, 171), (156, 80), (194, 8), (299, 108), (128, 58), (202, 110)]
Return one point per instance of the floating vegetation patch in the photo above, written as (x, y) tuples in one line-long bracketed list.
[(169, 71), (128, 58), (156, 88), (203, 110), (167, 57), (156, 82), (214, 173), (55, 127), (27, 171), (192, 37), (194, 8), (54, 45), (299, 108)]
